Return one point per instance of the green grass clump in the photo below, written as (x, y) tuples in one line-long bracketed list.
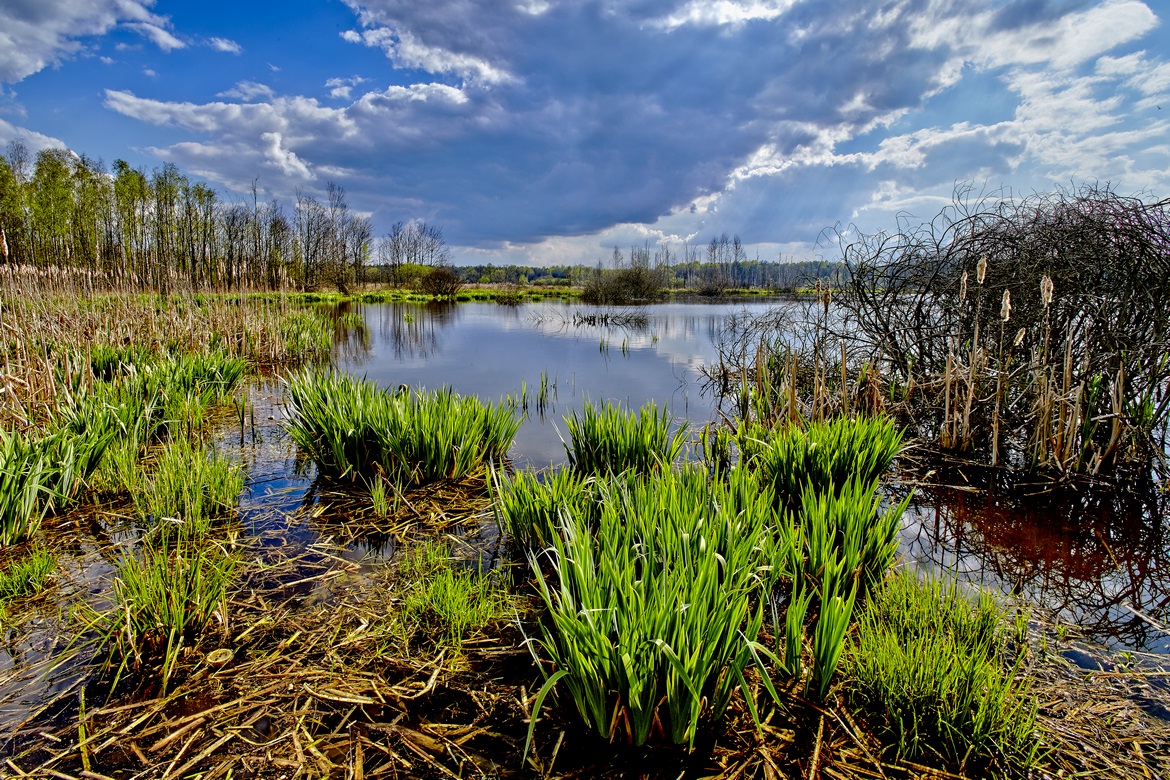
[(527, 505), (446, 604), (611, 440), (930, 668), (654, 599), (26, 576), (165, 600), (353, 429), (190, 486), (306, 334), (40, 475), (824, 456)]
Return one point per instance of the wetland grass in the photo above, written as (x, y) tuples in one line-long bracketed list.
[(25, 576), (653, 604), (189, 486), (527, 505), (353, 429), (824, 455), (931, 669), (165, 600), (610, 439), (41, 475), (448, 604)]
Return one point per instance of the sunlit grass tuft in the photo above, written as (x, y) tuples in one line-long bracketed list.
[(931, 670), (824, 456), (25, 576), (611, 440), (447, 604), (165, 599), (353, 429), (189, 485), (654, 598)]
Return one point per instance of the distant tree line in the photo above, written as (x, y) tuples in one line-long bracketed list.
[(156, 230), (646, 273)]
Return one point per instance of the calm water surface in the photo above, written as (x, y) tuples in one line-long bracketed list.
[(490, 351)]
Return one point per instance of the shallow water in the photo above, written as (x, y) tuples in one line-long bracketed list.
[(490, 350)]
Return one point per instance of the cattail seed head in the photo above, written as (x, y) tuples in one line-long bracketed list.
[(981, 268), (3, 244), (1005, 308), (963, 288), (1046, 289), (1019, 337)]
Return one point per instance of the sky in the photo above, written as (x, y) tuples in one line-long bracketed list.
[(551, 131)]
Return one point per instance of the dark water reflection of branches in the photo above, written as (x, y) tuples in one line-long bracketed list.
[(1091, 558), (412, 330)]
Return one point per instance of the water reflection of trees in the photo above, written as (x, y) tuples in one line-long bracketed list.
[(1088, 556), (411, 329)]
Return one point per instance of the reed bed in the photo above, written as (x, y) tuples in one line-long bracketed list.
[(355, 430), (52, 325), (1024, 335), (612, 440)]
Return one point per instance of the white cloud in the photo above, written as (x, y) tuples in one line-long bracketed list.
[(33, 140), (407, 51), (247, 90), (341, 88), (157, 34), (284, 159), (981, 37), (717, 13), (35, 34), (226, 45)]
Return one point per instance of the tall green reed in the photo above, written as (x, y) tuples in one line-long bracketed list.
[(42, 475), (654, 599), (824, 455), (189, 486), (166, 598), (353, 429), (528, 505), (610, 439)]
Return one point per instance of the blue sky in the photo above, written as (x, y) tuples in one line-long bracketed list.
[(547, 131)]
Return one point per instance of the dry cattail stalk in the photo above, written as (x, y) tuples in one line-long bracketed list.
[(981, 269), (1019, 337), (963, 288), (3, 244), (1046, 289), (1005, 308)]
